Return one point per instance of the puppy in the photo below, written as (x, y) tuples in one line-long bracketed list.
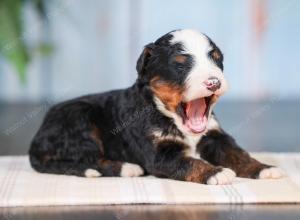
[(163, 125)]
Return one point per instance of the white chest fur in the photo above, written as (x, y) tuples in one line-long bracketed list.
[(193, 140), (190, 140)]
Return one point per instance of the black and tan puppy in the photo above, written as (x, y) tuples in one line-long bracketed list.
[(163, 125)]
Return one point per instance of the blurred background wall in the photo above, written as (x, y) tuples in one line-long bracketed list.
[(93, 45)]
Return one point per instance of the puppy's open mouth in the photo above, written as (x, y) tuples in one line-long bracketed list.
[(195, 113)]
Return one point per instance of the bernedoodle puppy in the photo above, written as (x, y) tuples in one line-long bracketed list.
[(162, 125)]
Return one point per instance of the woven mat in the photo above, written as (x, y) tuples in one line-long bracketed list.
[(22, 186)]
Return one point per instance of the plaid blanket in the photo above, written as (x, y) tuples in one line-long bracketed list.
[(22, 186)]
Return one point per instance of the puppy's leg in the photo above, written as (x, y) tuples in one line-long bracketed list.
[(170, 162), (220, 149), (69, 142), (83, 156), (65, 167), (87, 169), (118, 168)]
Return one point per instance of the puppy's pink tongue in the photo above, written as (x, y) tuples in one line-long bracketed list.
[(195, 112)]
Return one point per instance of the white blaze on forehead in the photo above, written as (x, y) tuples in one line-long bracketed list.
[(198, 46), (194, 43)]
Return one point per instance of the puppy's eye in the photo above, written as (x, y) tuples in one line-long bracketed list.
[(180, 66)]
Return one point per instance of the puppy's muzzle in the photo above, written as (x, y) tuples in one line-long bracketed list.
[(212, 84)]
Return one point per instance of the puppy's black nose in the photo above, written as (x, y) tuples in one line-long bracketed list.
[(212, 83)]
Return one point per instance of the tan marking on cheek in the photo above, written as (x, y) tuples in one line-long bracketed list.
[(180, 59), (169, 94)]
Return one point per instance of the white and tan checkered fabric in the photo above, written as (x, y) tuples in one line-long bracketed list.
[(21, 186)]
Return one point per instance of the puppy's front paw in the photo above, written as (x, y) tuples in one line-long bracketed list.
[(271, 173), (131, 170), (224, 177)]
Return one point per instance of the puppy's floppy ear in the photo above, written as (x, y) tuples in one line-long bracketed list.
[(144, 57)]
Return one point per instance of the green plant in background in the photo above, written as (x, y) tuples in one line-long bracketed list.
[(12, 42)]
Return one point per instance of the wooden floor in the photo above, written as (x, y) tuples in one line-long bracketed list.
[(156, 212), (266, 130)]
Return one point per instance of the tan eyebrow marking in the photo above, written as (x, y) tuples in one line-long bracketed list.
[(180, 58), (215, 55)]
